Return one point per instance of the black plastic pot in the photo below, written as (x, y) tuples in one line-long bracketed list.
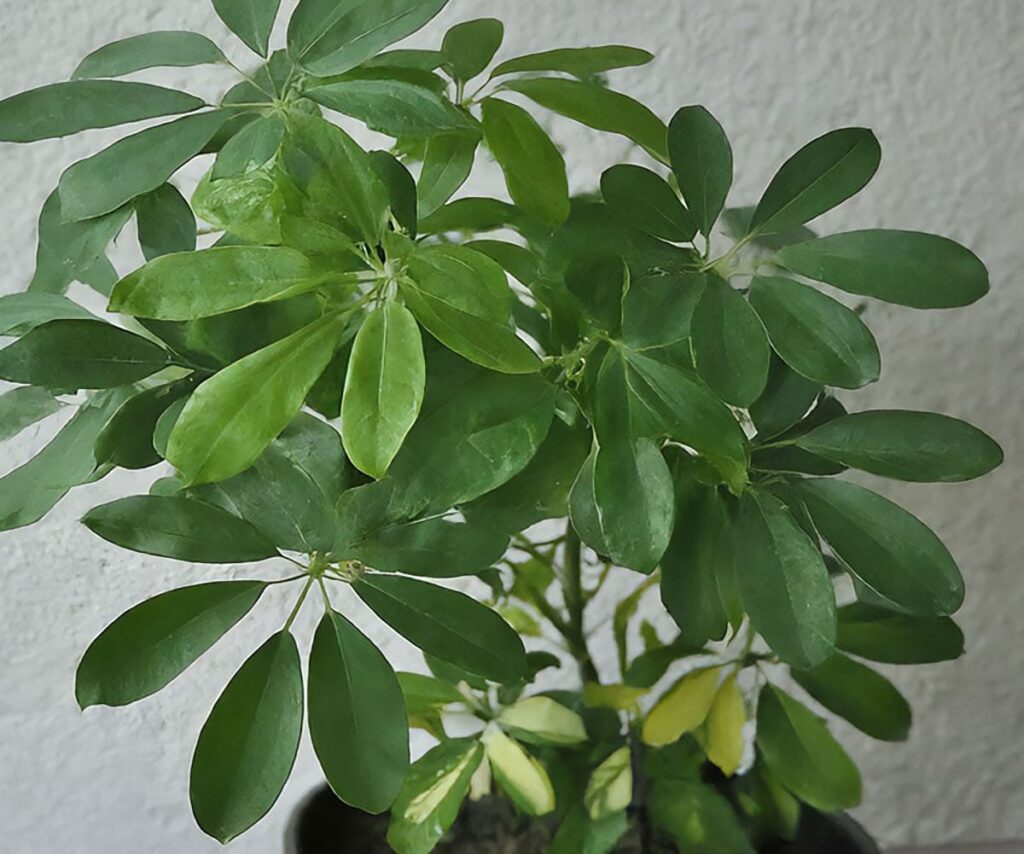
[(321, 824)]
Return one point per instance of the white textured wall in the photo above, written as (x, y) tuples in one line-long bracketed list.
[(938, 80)]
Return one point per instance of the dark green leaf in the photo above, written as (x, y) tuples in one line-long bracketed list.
[(250, 20), (471, 214), (803, 755), (134, 165), (786, 399), (127, 441), (166, 223), (646, 669), (736, 222), (68, 355), (822, 174), (697, 818), (658, 309), (923, 447), (401, 189), (23, 407), (534, 167), (599, 282), (887, 548), (598, 107), (179, 528), (730, 348), (62, 109), (857, 693), (644, 199), (469, 47), (414, 58), (581, 62), (235, 414), (357, 717), (150, 645), (902, 267), (891, 638), (446, 166), (248, 745), (816, 336), (784, 583), (328, 37), (702, 163), (250, 148), (447, 624), (169, 48)]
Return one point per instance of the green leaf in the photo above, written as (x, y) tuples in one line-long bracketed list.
[(702, 163), (166, 223), (730, 347), (357, 717), (597, 107), (69, 250), (169, 48), (407, 58), (645, 200), (887, 548), (62, 109), (581, 62), (815, 335), (393, 107), (23, 407), (534, 167), (328, 37), (697, 818), (446, 166), (67, 355), (235, 414), (657, 310), (250, 20), (610, 788), (519, 775), (150, 645), (135, 165), (30, 491), (891, 638), (857, 693), (190, 285), (784, 583), (646, 669), (463, 299), (681, 709), (736, 222), (787, 398), (803, 755), (178, 528), (541, 720), (726, 719), (471, 214), (469, 47), (446, 624), (252, 209), (433, 792), (820, 176), (401, 188), (250, 148), (248, 745), (902, 267), (923, 447), (127, 440)]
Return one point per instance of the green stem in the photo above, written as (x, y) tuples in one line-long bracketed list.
[(298, 605), (572, 590)]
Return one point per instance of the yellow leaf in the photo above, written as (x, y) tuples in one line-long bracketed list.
[(480, 782), (520, 776), (682, 709), (621, 698), (545, 720), (725, 727), (610, 789)]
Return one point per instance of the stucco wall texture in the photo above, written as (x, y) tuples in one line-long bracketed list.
[(940, 81)]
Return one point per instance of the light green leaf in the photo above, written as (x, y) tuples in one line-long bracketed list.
[(135, 165), (190, 285), (682, 708), (62, 109), (250, 20), (697, 818), (598, 107), (581, 62), (702, 162), (22, 407), (328, 37), (519, 775), (250, 148), (150, 645), (728, 715), (541, 720), (902, 267), (534, 167), (253, 209), (818, 337), (446, 624), (248, 745), (621, 698), (893, 638), (730, 347), (820, 176), (857, 693), (168, 48), (127, 440), (887, 548), (165, 221), (922, 447), (784, 582), (610, 788), (644, 199), (383, 388), (67, 355), (357, 717), (235, 414), (469, 47), (447, 164), (803, 755), (463, 299)]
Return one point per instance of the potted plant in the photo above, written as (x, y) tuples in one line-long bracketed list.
[(379, 389)]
